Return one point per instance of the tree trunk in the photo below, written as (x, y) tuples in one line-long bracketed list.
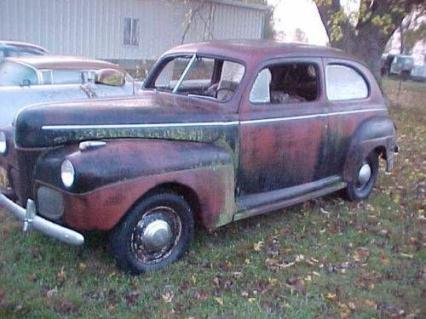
[(368, 46), (401, 38)]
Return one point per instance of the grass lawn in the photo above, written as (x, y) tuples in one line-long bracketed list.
[(326, 258)]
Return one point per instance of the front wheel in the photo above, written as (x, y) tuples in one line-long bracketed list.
[(365, 178), (154, 234)]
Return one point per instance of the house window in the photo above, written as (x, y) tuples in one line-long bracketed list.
[(131, 31)]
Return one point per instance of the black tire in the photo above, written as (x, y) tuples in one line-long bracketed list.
[(128, 239), (357, 192)]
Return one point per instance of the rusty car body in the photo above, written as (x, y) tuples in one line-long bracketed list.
[(41, 79), (220, 132)]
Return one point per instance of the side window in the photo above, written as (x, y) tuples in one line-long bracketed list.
[(201, 71), (171, 73), (260, 92), (199, 75), (13, 74), (286, 83), (345, 83), (67, 77)]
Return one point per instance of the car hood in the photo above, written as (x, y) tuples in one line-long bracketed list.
[(151, 115)]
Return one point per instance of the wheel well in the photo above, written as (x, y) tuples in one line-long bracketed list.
[(182, 190), (381, 151)]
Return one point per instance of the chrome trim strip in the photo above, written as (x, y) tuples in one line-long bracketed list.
[(278, 119), (194, 124), (130, 126)]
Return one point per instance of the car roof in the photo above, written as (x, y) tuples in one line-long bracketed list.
[(23, 45), (56, 62), (248, 50)]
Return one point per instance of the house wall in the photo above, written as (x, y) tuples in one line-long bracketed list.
[(95, 28)]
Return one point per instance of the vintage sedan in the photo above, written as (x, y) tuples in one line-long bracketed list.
[(36, 79), (221, 131), (18, 49)]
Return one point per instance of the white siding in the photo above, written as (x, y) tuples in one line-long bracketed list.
[(94, 28)]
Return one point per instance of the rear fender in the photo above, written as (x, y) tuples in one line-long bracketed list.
[(374, 134)]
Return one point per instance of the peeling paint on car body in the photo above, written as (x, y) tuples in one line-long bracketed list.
[(235, 158)]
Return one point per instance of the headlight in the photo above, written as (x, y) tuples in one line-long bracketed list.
[(3, 143), (67, 173)]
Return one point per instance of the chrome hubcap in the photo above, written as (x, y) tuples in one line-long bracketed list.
[(364, 174), (156, 234)]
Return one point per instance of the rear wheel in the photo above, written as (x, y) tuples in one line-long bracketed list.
[(155, 233), (365, 178)]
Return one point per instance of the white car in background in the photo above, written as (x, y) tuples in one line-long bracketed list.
[(17, 49), (39, 79)]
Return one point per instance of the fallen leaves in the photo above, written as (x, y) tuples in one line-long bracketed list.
[(361, 254), (61, 275), (168, 296), (201, 295), (219, 300), (331, 296), (82, 266), (297, 284), (392, 311), (65, 306), (275, 264), (258, 246), (132, 297)]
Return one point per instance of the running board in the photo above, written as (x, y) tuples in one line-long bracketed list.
[(288, 202)]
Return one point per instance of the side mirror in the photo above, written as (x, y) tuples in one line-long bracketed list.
[(110, 77)]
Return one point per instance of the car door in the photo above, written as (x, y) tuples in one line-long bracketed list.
[(283, 127), (350, 102)]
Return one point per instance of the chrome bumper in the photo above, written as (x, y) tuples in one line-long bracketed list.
[(32, 220)]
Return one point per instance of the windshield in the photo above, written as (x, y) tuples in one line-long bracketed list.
[(14, 74), (193, 75)]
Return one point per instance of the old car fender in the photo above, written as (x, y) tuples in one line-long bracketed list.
[(376, 133), (111, 178)]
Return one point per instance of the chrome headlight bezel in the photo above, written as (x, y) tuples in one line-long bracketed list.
[(3, 143), (67, 173)]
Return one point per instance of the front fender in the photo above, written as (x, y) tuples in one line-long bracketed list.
[(376, 133), (112, 178)]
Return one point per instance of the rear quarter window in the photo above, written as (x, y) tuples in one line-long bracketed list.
[(345, 83), (14, 74)]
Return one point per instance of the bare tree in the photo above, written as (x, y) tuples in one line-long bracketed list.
[(412, 29)]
